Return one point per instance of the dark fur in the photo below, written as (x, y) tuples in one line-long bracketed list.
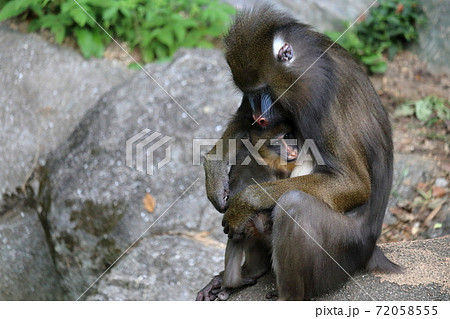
[(256, 244), (342, 204)]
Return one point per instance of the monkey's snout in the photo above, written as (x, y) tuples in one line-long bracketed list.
[(262, 121)]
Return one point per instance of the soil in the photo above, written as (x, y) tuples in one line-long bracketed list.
[(407, 79)]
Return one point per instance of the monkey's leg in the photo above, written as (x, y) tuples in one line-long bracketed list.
[(302, 268), (233, 278), (257, 259), (234, 255)]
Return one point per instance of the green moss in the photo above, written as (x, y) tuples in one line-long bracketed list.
[(96, 219), (107, 248), (69, 241), (68, 203), (95, 151)]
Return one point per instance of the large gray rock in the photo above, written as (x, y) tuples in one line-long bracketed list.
[(434, 47), (321, 14), (161, 268), (97, 201), (27, 269), (426, 273), (45, 90)]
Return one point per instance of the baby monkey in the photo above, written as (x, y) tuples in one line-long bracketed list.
[(280, 152)]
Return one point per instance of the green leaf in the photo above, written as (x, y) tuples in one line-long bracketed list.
[(180, 32), (371, 59), (110, 13), (392, 51), (79, 16), (333, 35), (443, 113), (165, 36), (205, 44), (37, 9), (437, 225), (378, 68), (125, 11), (90, 43), (60, 32), (424, 110), (34, 25), (161, 52), (14, 8), (147, 54), (146, 38), (134, 66), (406, 109)]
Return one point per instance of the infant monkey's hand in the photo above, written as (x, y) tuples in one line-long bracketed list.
[(259, 225)]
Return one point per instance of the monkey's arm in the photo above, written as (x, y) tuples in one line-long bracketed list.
[(339, 192), (217, 167)]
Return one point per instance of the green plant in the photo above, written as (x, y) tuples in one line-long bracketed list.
[(373, 59), (156, 27), (391, 25), (428, 110)]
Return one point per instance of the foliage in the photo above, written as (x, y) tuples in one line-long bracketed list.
[(428, 110), (389, 26), (157, 27), (373, 59)]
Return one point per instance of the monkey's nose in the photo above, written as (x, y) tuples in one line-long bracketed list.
[(262, 121)]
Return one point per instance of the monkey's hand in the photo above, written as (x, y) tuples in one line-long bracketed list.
[(217, 189), (243, 207), (211, 291)]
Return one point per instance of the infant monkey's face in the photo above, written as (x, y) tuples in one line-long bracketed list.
[(283, 144)]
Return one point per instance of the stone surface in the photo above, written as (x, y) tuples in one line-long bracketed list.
[(434, 47), (161, 268), (27, 269), (321, 14), (426, 276), (97, 206), (46, 89)]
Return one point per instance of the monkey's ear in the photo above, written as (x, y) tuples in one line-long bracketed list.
[(286, 53), (283, 51)]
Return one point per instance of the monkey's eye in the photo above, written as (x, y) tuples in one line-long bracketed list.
[(289, 136)]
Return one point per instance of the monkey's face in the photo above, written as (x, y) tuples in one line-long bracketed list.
[(283, 147), (267, 54), (280, 149), (259, 79)]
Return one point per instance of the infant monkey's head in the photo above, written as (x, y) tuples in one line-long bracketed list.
[(280, 149)]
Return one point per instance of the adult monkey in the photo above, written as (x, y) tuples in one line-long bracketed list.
[(317, 85)]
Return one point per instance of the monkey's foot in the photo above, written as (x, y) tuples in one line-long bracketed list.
[(273, 295), (225, 293), (211, 290)]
